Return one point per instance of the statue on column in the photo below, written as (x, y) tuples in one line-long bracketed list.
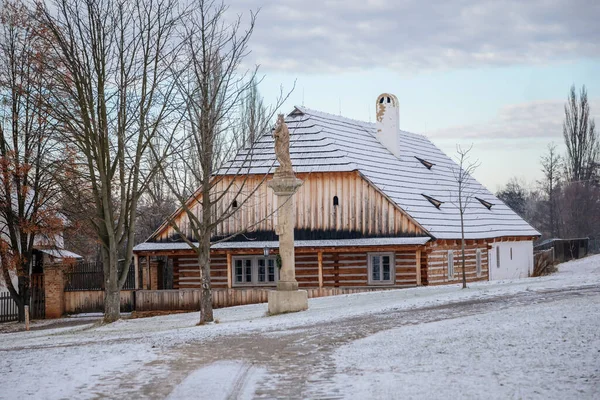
[(287, 297), (282, 147)]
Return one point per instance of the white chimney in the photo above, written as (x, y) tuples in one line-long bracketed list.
[(388, 122)]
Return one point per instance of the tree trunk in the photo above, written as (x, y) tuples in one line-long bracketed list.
[(112, 292), (464, 274), (462, 248), (206, 309), (24, 298)]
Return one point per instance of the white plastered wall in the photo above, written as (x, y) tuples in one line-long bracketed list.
[(520, 265)]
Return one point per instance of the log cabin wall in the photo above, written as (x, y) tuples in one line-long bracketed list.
[(406, 268), (437, 261), (186, 272), (360, 207), (339, 269), (307, 269)]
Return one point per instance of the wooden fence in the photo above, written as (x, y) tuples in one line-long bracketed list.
[(90, 276), (38, 297), (85, 301), (8, 308), (189, 299)]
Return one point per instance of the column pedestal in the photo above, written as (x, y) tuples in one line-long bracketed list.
[(286, 301), (287, 298)]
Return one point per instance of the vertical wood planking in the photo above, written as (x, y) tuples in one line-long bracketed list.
[(320, 261), (361, 206), (418, 256)]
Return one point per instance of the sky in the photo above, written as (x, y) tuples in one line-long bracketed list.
[(491, 74)]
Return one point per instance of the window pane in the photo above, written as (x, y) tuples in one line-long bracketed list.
[(271, 270), (248, 270), (261, 270), (238, 271), (375, 273), (386, 267)]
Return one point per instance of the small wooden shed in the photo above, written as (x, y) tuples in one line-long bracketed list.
[(565, 249)]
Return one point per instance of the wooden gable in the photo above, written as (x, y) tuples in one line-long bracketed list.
[(327, 204)]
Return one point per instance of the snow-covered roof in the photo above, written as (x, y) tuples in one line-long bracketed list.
[(60, 253), (321, 142), (148, 246)]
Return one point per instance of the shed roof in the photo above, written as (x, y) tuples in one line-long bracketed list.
[(321, 142), (61, 253)]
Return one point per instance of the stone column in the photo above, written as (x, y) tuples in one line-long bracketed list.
[(54, 290), (287, 297)]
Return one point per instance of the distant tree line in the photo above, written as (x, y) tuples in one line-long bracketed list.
[(566, 201)]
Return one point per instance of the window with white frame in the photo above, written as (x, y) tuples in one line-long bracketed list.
[(255, 270), (478, 262), (450, 264), (381, 268)]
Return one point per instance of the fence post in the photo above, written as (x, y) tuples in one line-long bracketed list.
[(54, 288), (26, 318)]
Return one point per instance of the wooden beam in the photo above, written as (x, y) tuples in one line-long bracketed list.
[(320, 263), (329, 249), (148, 284), (229, 270), (418, 255), (136, 269)]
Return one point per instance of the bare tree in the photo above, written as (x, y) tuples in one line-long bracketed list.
[(581, 138), (580, 194), (114, 94), (466, 192), (515, 196), (28, 198), (253, 116), (222, 112), (579, 206), (551, 167)]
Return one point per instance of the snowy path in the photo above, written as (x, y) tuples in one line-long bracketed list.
[(532, 338), (424, 353)]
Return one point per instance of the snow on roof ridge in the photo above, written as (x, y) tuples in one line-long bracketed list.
[(341, 118), (324, 114)]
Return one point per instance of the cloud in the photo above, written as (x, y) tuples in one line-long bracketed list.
[(333, 35), (533, 120)]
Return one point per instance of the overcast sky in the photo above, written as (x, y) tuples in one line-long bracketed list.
[(489, 73)]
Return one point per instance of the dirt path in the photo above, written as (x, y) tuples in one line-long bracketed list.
[(299, 361)]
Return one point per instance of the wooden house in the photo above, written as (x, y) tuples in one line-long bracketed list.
[(377, 209)]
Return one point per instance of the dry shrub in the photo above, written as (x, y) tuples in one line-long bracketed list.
[(544, 263)]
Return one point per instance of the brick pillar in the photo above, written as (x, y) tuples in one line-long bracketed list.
[(146, 273), (54, 290)]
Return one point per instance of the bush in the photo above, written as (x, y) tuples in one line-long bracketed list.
[(543, 263)]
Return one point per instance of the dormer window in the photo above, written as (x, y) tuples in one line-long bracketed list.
[(486, 204), (336, 201), (427, 164), (433, 201)]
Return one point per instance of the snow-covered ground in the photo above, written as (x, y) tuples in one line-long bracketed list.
[(522, 352), (542, 349)]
